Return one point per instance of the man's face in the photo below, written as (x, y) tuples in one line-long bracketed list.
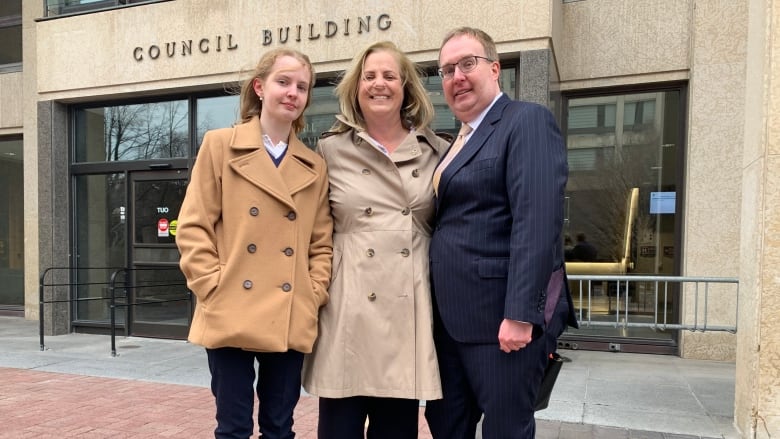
[(468, 94)]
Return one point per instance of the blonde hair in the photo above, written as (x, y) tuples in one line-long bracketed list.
[(251, 105), (416, 109)]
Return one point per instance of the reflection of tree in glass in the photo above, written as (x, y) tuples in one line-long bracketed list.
[(599, 196), (118, 129), (146, 131)]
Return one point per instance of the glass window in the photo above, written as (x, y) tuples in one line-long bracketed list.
[(11, 223), (216, 112), (607, 160), (132, 132), (101, 235), (10, 34), (59, 7)]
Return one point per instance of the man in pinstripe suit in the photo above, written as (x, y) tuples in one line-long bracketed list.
[(496, 254)]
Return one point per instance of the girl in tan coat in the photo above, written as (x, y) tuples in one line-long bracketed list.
[(374, 358), (255, 240)]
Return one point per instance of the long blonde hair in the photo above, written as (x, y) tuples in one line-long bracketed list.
[(416, 109), (252, 106)]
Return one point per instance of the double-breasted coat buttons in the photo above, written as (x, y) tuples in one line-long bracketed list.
[(370, 253), (251, 248), (416, 173), (286, 287), (371, 297), (247, 284), (369, 211), (289, 251), (405, 252), (254, 211), (291, 216), (366, 171), (406, 211)]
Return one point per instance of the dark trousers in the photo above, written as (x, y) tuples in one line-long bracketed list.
[(345, 418), (278, 389), (481, 379)]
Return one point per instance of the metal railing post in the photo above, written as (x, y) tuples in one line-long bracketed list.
[(660, 318)]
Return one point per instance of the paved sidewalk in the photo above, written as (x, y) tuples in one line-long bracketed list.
[(159, 388)]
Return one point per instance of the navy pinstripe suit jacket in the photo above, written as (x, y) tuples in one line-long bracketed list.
[(499, 215)]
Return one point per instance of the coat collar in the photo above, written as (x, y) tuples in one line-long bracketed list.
[(475, 142), (406, 151), (296, 172)]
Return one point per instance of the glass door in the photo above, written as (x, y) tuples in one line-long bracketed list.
[(11, 228), (160, 304), (622, 214)]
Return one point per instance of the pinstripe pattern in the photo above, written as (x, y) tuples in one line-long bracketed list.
[(496, 244)]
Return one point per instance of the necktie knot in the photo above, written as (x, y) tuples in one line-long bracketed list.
[(465, 129)]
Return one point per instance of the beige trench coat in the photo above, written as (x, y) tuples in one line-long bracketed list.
[(376, 333), (255, 242)]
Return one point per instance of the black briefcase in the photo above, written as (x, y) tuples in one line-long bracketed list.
[(554, 365)]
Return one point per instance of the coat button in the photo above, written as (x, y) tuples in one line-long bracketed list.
[(372, 297), (288, 251), (370, 253), (369, 211), (291, 216), (405, 252), (286, 287), (254, 211), (251, 248), (416, 173), (366, 171), (405, 211), (247, 284)]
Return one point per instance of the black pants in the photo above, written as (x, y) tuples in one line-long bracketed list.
[(278, 389), (481, 379), (345, 418)]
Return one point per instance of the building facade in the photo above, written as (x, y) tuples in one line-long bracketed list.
[(103, 104)]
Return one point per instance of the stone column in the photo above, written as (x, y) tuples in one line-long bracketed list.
[(757, 398), (54, 213), (534, 77)]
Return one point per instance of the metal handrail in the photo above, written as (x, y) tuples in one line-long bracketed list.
[(660, 318), (42, 285), (113, 283)]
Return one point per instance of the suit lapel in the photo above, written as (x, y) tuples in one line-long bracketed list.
[(474, 143)]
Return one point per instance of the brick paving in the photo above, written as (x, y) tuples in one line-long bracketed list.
[(46, 405)]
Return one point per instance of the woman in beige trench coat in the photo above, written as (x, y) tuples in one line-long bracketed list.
[(374, 357), (255, 239)]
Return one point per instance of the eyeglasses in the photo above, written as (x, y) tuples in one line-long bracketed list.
[(465, 64)]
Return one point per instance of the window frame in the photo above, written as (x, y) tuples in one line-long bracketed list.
[(59, 10), (9, 21)]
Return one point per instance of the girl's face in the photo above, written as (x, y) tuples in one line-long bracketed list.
[(284, 91), (381, 91)]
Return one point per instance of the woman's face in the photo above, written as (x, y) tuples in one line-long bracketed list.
[(381, 91), (285, 90)]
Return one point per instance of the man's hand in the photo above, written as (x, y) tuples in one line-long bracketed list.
[(514, 335)]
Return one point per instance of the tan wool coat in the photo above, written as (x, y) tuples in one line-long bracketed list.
[(255, 242), (376, 333)]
